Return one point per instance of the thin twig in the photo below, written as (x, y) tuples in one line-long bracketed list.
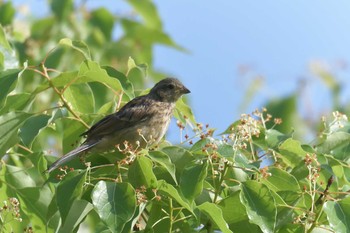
[(58, 92), (25, 148)]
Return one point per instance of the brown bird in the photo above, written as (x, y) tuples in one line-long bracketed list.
[(142, 121)]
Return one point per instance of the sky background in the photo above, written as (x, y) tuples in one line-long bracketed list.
[(236, 45)]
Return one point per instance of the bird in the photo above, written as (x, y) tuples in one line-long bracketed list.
[(142, 121)]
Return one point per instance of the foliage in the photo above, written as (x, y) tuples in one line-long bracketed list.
[(256, 177)]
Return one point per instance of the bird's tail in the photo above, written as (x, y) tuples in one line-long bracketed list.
[(70, 155)]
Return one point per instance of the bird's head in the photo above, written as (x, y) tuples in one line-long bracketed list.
[(169, 90)]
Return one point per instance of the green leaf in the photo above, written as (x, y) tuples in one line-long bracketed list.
[(31, 128), (286, 109), (215, 215), (7, 13), (3, 41), (149, 13), (132, 65), (333, 141), (281, 180), (286, 212), (243, 161), (235, 215), (129, 226), (78, 45), (79, 210), (71, 130), (62, 80), (62, 8), (115, 203), (68, 191), (147, 36), (107, 108), (338, 214), (102, 19), (91, 71), (260, 205), (124, 81), (164, 187), (231, 127), (179, 156), (191, 183), (35, 202), (52, 215), (183, 112), (9, 125), (141, 173), (81, 98), (18, 177), (41, 28), (157, 213), (292, 152), (274, 138), (17, 102), (226, 150), (8, 81), (164, 160), (2, 60)]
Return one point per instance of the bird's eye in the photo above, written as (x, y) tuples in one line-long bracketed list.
[(171, 86)]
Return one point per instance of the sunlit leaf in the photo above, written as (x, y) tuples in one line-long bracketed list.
[(78, 45), (132, 65), (291, 152), (333, 141), (80, 98), (168, 189), (280, 180), (164, 160), (338, 214), (274, 138)]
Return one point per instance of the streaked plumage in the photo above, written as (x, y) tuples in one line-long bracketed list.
[(144, 117)]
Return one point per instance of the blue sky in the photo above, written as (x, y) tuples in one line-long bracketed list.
[(273, 40), (277, 39)]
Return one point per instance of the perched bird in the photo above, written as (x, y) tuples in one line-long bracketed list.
[(142, 121)]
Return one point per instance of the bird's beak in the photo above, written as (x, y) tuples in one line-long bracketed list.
[(185, 91)]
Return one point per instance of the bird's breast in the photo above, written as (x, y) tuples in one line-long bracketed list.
[(156, 126)]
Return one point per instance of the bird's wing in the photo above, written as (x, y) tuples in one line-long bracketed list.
[(134, 112)]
